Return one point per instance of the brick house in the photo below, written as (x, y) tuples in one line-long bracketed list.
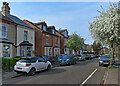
[(63, 33), (46, 39), (19, 33)]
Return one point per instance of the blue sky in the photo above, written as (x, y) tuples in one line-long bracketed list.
[(73, 16)]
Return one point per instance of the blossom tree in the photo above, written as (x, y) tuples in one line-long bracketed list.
[(106, 27)]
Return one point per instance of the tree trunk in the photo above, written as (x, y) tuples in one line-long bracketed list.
[(118, 52), (112, 58)]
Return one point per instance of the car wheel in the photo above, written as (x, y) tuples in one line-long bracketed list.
[(99, 64), (48, 68), (32, 72), (70, 63)]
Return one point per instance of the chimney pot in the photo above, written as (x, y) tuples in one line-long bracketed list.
[(6, 9)]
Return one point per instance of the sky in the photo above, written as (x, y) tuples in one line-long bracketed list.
[(73, 16)]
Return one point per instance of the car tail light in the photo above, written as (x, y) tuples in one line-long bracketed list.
[(28, 65)]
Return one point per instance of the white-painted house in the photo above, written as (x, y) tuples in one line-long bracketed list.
[(25, 38)]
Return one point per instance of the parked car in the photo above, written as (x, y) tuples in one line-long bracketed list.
[(31, 65), (48, 58), (80, 57), (68, 60), (87, 56), (104, 60), (91, 56), (61, 56), (96, 56)]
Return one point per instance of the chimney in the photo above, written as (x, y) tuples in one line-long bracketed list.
[(6, 9)]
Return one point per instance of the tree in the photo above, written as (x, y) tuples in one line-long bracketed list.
[(106, 27), (75, 42), (97, 46)]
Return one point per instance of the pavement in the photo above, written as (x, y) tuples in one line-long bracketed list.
[(112, 75)]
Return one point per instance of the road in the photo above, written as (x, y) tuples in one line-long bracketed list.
[(84, 72)]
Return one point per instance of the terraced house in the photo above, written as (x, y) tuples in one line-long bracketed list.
[(16, 32), (63, 33), (47, 42)]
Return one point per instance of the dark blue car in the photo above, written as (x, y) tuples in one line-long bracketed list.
[(105, 60), (68, 60)]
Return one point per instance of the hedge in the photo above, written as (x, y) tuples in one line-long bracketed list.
[(8, 63)]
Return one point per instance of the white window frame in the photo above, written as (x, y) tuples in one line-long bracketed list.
[(26, 35), (1, 31), (58, 49), (46, 39), (48, 51), (10, 49)]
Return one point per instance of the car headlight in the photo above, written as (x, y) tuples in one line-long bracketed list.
[(101, 61), (67, 60)]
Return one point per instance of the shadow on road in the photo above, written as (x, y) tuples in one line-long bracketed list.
[(82, 63), (52, 71)]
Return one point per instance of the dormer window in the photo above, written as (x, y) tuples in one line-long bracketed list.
[(65, 34), (44, 28), (53, 31)]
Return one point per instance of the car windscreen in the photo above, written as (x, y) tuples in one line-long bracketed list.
[(105, 56), (66, 56), (79, 55)]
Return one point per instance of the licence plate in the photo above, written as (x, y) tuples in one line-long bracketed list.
[(19, 68), (105, 63)]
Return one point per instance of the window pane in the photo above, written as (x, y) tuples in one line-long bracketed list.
[(6, 50), (28, 51), (46, 51), (44, 28), (4, 34), (4, 28), (41, 59), (50, 52), (25, 35)]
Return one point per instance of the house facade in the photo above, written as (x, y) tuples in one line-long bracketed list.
[(7, 33), (63, 33), (20, 34), (46, 41)]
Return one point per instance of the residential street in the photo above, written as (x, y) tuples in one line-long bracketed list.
[(74, 74)]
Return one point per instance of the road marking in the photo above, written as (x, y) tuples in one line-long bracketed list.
[(88, 77)]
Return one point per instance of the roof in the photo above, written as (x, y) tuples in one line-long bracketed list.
[(47, 45), (5, 18), (25, 43), (19, 21), (62, 30), (39, 23), (3, 40)]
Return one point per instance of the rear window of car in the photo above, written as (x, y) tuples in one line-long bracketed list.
[(27, 60)]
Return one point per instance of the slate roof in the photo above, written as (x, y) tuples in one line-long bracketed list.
[(62, 30), (5, 18), (19, 21)]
